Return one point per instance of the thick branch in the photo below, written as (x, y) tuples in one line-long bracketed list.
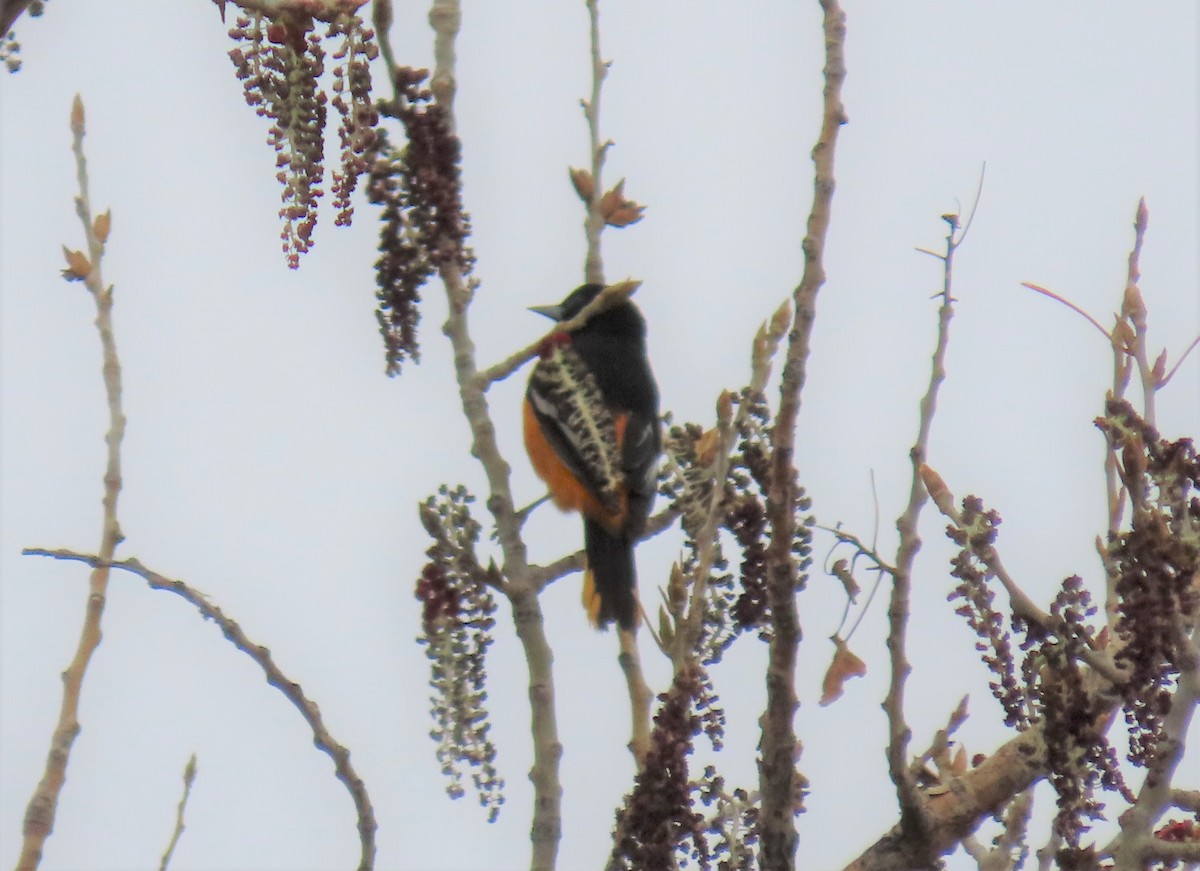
[(445, 17), (968, 800), (10, 11), (777, 765)]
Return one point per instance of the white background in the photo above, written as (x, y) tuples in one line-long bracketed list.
[(271, 464)]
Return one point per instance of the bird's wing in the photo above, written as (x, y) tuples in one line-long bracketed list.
[(578, 424)]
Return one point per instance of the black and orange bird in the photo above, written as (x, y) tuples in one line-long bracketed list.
[(593, 435)]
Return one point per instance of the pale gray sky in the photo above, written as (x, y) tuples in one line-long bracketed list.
[(270, 463)]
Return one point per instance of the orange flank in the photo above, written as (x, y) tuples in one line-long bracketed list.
[(570, 494), (567, 491)]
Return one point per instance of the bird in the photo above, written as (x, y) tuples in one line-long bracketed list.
[(593, 435)]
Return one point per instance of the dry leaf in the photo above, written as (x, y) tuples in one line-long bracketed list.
[(102, 225), (78, 266), (583, 183), (706, 447), (627, 213), (612, 199), (841, 570), (845, 665), (618, 211)]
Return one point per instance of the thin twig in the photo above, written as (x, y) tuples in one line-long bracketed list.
[(640, 696), (1134, 309), (189, 777), (912, 817), (593, 265), (291, 690), (40, 813), (1163, 383), (778, 779), (1044, 291)]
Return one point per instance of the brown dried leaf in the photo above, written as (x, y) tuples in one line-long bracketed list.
[(583, 183), (706, 447), (845, 665), (78, 266), (841, 570), (102, 225), (627, 213), (612, 199)]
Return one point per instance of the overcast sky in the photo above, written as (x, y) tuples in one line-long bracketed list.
[(270, 463)]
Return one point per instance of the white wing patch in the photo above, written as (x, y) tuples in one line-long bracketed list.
[(567, 398)]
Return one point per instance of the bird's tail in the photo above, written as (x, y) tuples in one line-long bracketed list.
[(610, 580)]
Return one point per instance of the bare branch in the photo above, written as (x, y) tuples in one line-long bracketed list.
[(593, 267), (640, 695), (189, 777), (522, 587), (778, 779), (291, 690), (1037, 288), (40, 813), (911, 813)]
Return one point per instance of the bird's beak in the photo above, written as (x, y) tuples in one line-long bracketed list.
[(554, 312)]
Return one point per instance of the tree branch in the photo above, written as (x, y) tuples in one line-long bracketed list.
[(10, 11), (777, 763), (291, 690), (40, 813), (521, 588), (189, 777), (593, 266)]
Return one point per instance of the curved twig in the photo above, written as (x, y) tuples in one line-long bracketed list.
[(275, 677)]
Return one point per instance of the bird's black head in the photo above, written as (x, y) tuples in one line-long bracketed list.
[(572, 305)]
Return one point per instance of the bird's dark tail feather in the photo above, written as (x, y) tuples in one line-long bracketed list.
[(610, 582)]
